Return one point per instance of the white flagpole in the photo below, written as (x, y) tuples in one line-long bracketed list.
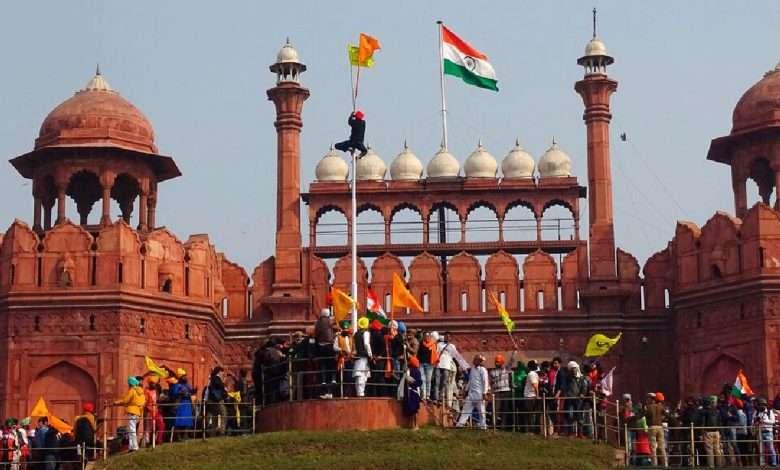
[(354, 241), (441, 82)]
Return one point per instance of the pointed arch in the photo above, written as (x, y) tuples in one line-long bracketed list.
[(65, 387)]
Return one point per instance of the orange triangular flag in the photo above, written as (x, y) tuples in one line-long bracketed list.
[(367, 46), (342, 304), (402, 297), (59, 424), (40, 409)]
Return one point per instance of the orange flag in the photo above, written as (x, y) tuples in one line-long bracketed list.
[(368, 44), (342, 304), (59, 424), (40, 409), (402, 297)]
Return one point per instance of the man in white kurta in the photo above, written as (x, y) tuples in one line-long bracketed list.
[(477, 390), (362, 350)]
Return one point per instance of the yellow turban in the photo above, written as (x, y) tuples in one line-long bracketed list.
[(153, 379), (363, 323), (180, 373)]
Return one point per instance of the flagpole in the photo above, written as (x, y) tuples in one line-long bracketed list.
[(354, 241), (441, 84)]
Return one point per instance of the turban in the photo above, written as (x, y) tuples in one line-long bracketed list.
[(180, 373), (363, 323), (401, 327), (132, 381), (414, 362), (659, 396), (88, 407), (500, 361), (153, 379), (344, 324), (376, 325)]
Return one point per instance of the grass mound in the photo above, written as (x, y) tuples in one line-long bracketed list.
[(429, 448)]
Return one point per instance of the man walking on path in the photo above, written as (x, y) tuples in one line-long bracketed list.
[(477, 391), (655, 413)]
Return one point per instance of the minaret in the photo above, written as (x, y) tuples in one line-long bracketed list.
[(288, 95), (596, 89)]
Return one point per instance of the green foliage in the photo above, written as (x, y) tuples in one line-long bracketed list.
[(429, 448)]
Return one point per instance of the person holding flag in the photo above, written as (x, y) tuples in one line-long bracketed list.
[(363, 355)]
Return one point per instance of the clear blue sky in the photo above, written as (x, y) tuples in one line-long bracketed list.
[(199, 71)]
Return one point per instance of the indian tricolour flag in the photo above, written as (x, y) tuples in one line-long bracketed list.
[(374, 309), (741, 386), (462, 60)]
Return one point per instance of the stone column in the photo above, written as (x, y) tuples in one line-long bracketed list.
[(60, 204), (426, 228), (738, 183), (37, 203), (463, 230), (152, 209), (538, 228), (387, 231), (501, 229), (47, 207), (143, 212)]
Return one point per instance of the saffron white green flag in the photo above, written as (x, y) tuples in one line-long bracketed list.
[(462, 60)]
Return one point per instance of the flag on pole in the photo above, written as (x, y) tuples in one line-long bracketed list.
[(462, 60), (402, 297), (599, 344), (741, 386), (40, 409), (606, 383), (367, 46), (374, 309), (61, 426), (508, 323), (354, 60), (154, 368), (342, 304)]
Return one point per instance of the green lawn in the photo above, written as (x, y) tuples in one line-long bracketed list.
[(430, 449)]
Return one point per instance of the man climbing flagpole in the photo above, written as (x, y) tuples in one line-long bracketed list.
[(359, 56)]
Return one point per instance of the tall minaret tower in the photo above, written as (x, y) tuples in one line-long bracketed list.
[(596, 89), (288, 95)]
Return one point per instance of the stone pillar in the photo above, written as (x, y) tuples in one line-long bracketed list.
[(37, 203), (738, 184), (60, 204), (151, 218), (47, 207), (288, 98), (596, 90), (463, 230), (426, 229), (143, 212), (538, 228), (106, 183), (387, 231), (501, 229)]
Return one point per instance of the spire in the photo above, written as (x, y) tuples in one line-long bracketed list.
[(97, 83), (97, 69), (594, 22)]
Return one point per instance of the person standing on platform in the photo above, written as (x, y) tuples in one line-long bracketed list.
[(477, 390), (324, 335), (449, 360), (412, 384), (655, 415), (429, 358), (363, 355), (376, 379), (344, 349), (501, 383)]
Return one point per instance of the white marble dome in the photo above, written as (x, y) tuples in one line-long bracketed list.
[(406, 166), (518, 163), (332, 167), (371, 167), (287, 54), (554, 163), (480, 164), (595, 47), (443, 165)]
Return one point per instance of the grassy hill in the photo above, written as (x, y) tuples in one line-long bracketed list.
[(430, 448)]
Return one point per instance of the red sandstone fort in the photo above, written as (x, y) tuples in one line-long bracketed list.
[(86, 296)]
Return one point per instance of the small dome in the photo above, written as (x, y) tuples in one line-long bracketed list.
[(760, 106), (97, 116), (406, 166), (518, 163), (371, 167), (332, 167), (595, 47), (554, 163), (287, 54), (480, 164), (443, 165)]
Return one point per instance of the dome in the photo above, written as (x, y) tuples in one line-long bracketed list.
[(443, 165), (760, 105), (480, 164), (518, 163), (371, 167), (406, 166), (595, 47), (287, 54), (97, 116), (554, 163), (332, 167)]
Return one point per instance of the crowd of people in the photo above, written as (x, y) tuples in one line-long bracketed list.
[(726, 429), (385, 358)]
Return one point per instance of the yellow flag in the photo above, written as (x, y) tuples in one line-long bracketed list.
[(508, 323), (342, 304), (402, 297), (599, 344), (59, 424), (154, 368), (40, 409), (353, 54), (368, 44)]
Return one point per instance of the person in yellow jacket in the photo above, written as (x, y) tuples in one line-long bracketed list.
[(134, 402)]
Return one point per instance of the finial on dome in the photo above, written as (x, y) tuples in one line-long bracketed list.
[(554, 142), (288, 40), (517, 141), (594, 22), (97, 83), (97, 69), (332, 147), (406, 146)]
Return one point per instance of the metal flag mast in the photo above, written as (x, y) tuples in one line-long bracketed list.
[(353, 219), (441, 83)]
